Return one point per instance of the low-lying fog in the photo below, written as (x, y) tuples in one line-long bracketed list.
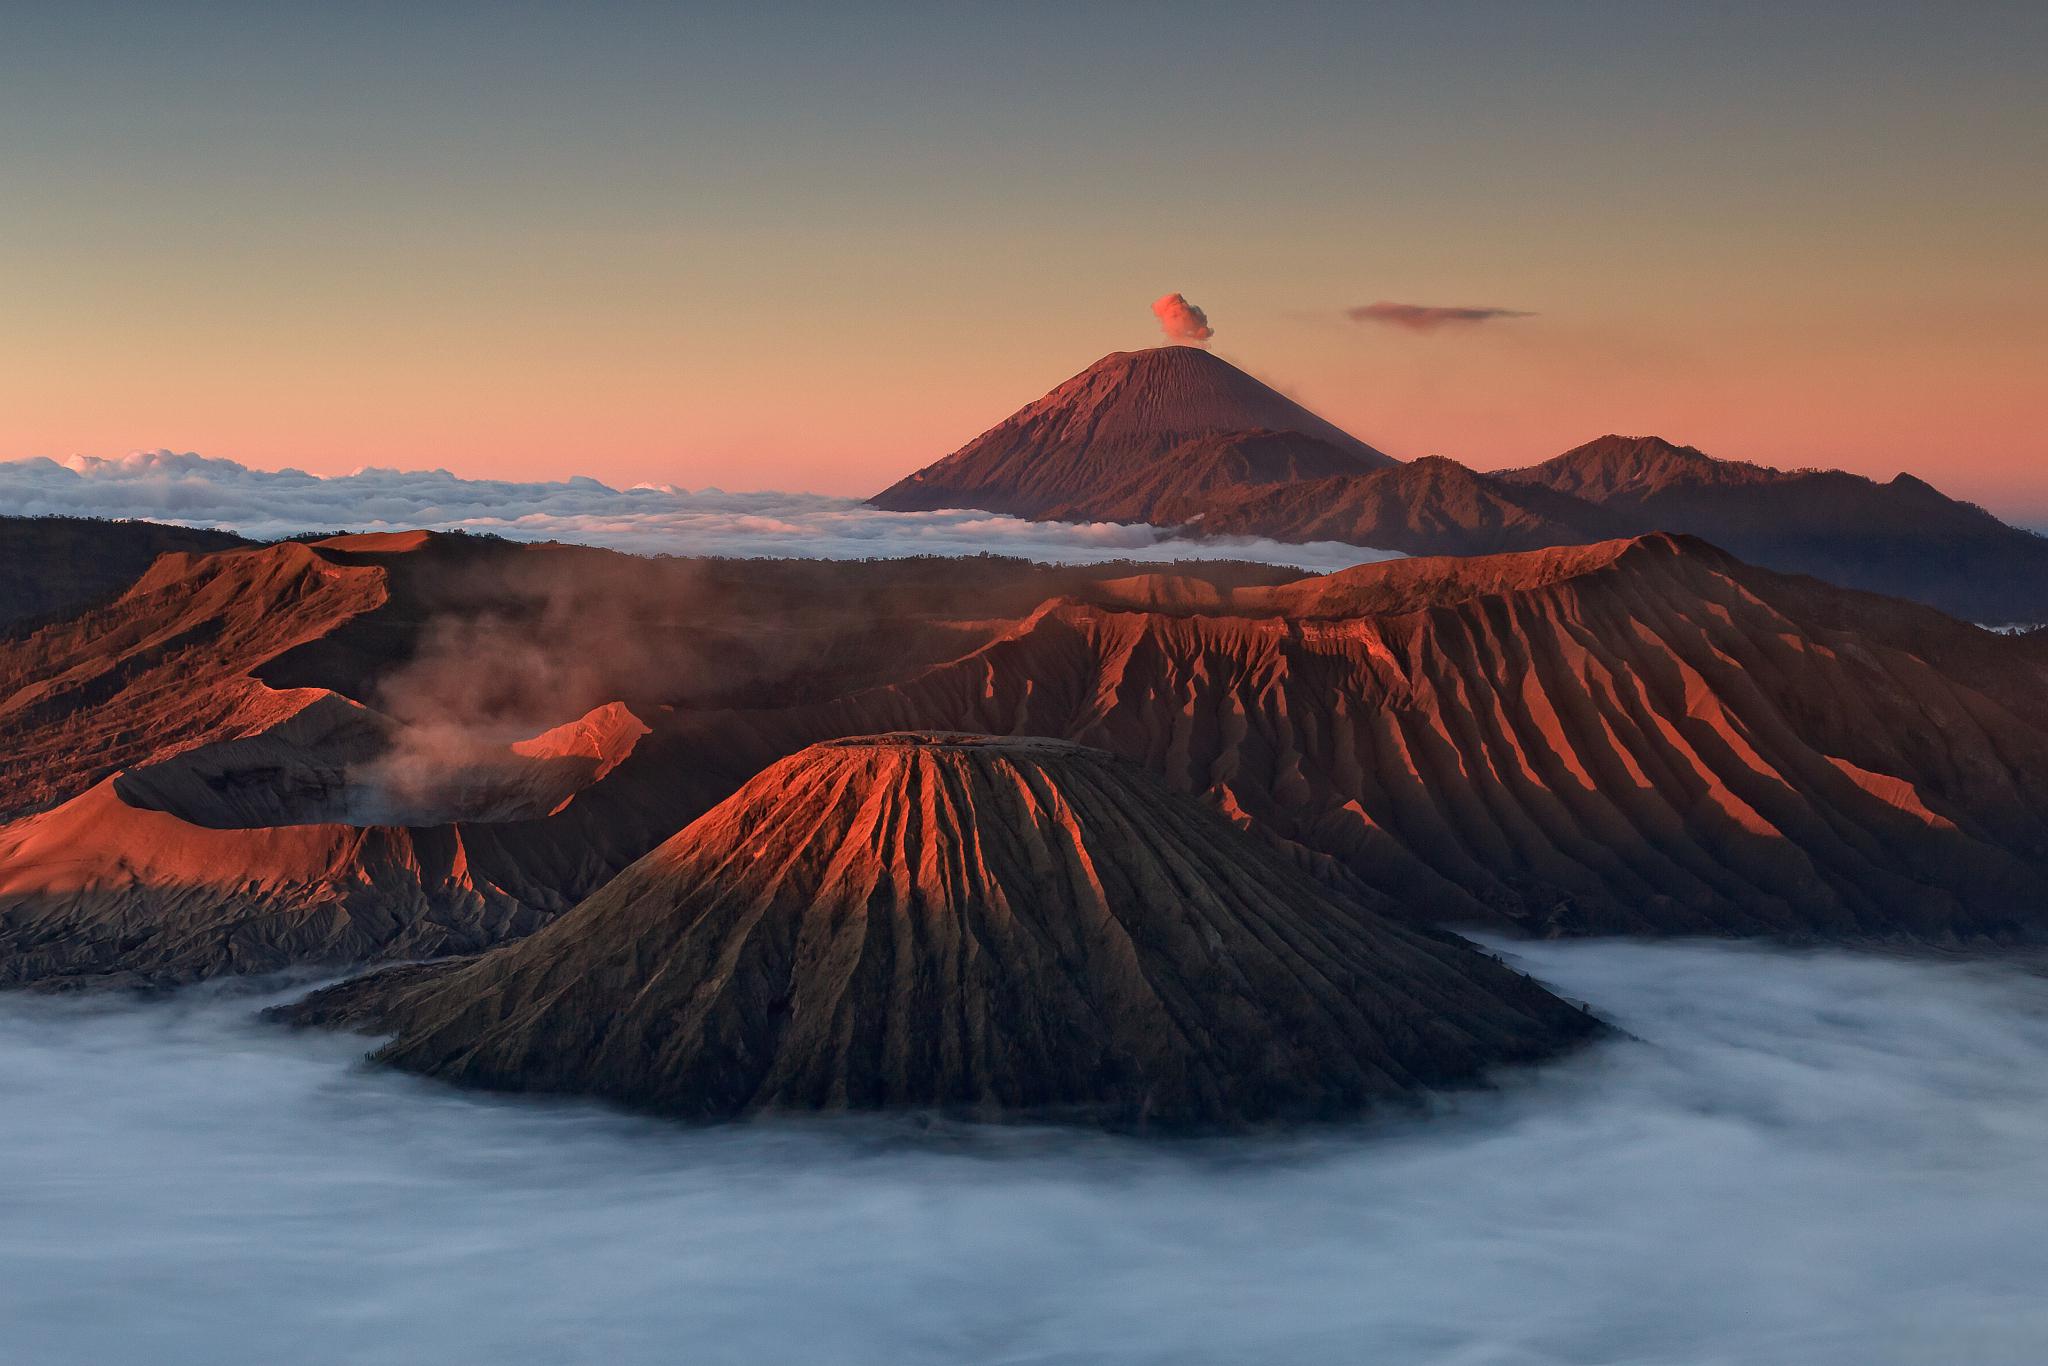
[(1808, 1158)]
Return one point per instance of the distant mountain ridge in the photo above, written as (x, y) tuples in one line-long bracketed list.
[(1615, 467), (1902, 537), (1179, 438)]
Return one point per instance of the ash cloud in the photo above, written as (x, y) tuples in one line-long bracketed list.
[(194, 490), (1428, 317), (1821, 1158), (1180, 320)]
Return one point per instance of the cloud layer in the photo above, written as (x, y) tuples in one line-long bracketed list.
[(1180, 320), (1427, 317), (1822, 1158), (196, 491)]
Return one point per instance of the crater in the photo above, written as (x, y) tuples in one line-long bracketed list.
[(335, 762)]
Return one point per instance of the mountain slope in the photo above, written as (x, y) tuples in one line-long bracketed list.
[(51, 566), (1186, 478), (1106, 426), (165, 667), (998, 928), (1177, 437), (1430, 506)]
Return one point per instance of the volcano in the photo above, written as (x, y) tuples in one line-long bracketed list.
[(1123, 417), (993, 928), (53, 566)]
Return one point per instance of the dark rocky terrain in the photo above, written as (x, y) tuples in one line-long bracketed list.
[(993, 928)]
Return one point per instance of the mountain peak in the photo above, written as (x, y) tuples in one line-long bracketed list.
[(1108, 425), (1614, 465), (1172, 354)]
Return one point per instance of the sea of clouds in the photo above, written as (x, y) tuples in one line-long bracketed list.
[(1811, 1159), (195, 490)]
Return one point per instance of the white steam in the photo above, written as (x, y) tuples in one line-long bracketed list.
[(196, 491), (1818, 1159)]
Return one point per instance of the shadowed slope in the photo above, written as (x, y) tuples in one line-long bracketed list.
[(1108, 425), (999, 928)]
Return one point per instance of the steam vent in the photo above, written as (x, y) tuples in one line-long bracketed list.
[(996, 929)]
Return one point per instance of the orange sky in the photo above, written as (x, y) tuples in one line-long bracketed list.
[(726, 255)]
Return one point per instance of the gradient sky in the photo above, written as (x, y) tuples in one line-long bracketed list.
[(816, 246)]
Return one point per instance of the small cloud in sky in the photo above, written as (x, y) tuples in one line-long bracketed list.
[(1428, 317)]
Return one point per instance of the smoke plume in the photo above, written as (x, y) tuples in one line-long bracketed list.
[(1180, 320)]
